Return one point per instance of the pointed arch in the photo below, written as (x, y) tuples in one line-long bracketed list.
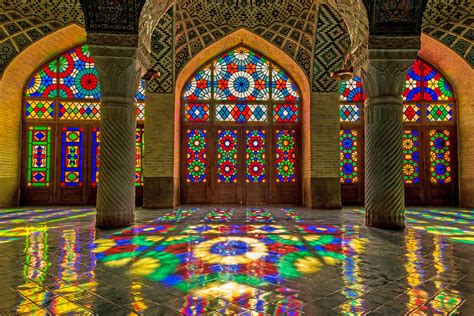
[(286, 63), (11, 91)]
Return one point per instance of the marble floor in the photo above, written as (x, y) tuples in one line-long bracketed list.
[(243, 261)]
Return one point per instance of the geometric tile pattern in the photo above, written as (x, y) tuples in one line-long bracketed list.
[(82, 111), (196, 112), (332, 43), (288, 24), (452, 23), (349, 112), (285, 113), (162, 55), (39, 109), (439, 112), (411, 113), (241, 113), (22, 23)]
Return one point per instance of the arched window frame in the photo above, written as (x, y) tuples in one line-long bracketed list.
[(68, 112), (416, 129)]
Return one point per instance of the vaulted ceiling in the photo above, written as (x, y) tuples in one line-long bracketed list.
[(313, 35)]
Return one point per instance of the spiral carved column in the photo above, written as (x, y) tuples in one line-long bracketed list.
[(117, 60), (383, 79)]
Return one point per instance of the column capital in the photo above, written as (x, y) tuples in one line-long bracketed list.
[(120, 65), (390, 57)]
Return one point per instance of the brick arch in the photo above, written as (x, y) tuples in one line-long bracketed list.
[(460, 75), (260, 45), (12, 85)]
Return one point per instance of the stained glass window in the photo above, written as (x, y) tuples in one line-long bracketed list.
[(227, 156), (411, 159), (285, 113), (348, 156), (349, 112), (241, 87), (139, 150), (241, 75), (79, 111), (425, 83), (196, 142), (351, 90), (196, 112), (241, 113), (38, 109), (39, 149), (72, 156), (140, 110), (439, 112), (140, 96), (44, 82), (95, 155), (255, 158), (411, 113), (440, 156), (283, 89), (78, 75), (199, 88), (285, 156)]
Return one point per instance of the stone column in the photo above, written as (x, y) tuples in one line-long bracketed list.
[(383, 78), (117, 60)]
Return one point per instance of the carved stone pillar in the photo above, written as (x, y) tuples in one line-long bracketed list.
[(383, 79), (118, 64)]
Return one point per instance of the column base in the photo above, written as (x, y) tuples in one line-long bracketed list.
[(159, 192), (326, 193)]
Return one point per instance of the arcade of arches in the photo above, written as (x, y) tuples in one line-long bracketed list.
[(247, 157), (240, 135)]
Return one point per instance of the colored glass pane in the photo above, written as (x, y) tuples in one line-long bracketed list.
[(79, 111), (351, 90), (39, 109), (285, 113), (285, 156), (95, 155), (255, 158), (44, 82), (440, 156), (227, 156), (78, 75), (140, 96), (139, 150), (140, 111), (241, 113), (348, 156), (72, 141), (411, 159), (196, 112), (241, 75), (196, 143), (39, 147), (435, 86), (439, 112), (349, 112), (411, 113), (199, 88), (412, 89), (283, 88)]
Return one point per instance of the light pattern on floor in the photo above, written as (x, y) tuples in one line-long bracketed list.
[(254, 215), (220, 215), (327, 264)]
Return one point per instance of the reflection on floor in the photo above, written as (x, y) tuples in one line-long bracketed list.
[(245, 261)]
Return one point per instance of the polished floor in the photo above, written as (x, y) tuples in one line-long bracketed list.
[(236, 261)]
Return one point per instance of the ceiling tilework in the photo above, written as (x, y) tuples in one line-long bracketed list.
[(332, 44), (290, 25), (24, 22), (162, 55), (452, 23)]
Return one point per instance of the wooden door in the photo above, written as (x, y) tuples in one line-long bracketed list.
[(227, 165)]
